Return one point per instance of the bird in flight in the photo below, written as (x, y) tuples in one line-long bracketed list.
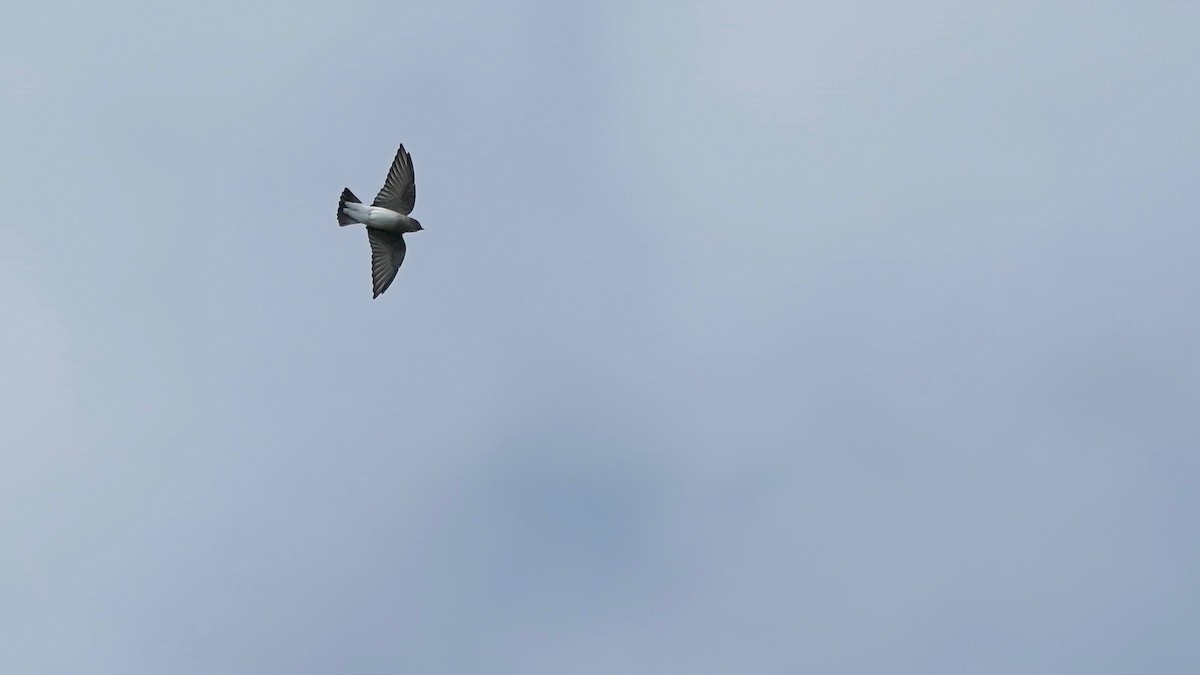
[(386, 219)]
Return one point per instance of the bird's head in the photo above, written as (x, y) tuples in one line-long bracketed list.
[(417, 223)]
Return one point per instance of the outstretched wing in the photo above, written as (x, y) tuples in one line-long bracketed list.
[(399, 191), (387, 252)]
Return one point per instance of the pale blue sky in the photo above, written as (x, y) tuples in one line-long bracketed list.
[(743, 337)]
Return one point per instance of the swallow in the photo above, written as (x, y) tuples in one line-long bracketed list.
[(387, 219)]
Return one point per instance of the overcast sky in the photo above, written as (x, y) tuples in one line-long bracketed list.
[(757, 336)]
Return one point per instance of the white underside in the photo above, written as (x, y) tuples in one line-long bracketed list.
[(379, 218)]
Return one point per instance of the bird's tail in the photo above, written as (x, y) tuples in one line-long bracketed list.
[(347, 196)]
